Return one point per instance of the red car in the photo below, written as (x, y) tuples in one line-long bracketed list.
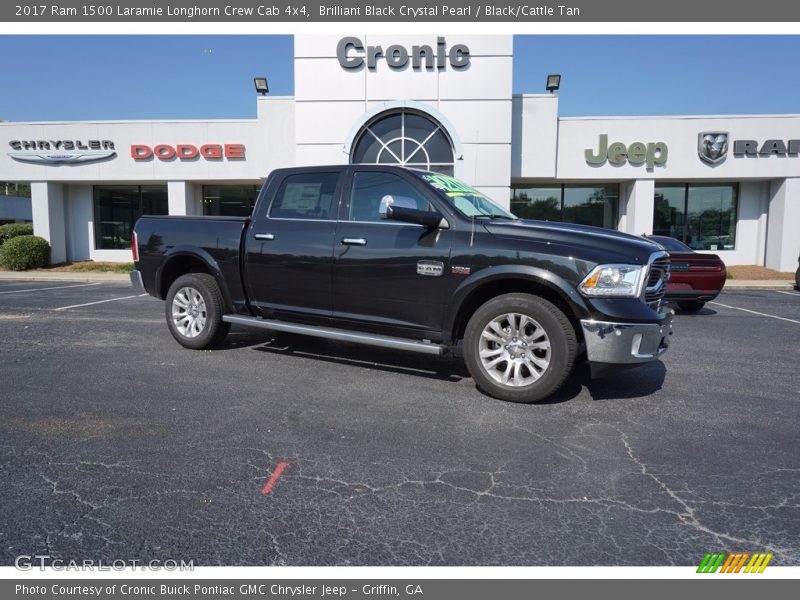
[(695, 278)]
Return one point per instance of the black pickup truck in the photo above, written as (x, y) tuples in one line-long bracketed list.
[(415, 261)]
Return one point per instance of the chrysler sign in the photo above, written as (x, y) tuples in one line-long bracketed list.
[(61, 152)]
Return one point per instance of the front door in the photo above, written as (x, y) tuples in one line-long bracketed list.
[(388, 274)]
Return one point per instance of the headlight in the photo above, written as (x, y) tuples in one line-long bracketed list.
[(619, 281)]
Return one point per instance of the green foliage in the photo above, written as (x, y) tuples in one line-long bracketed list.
[(25, 252), (23, 190), (12, 230), (100, 267)]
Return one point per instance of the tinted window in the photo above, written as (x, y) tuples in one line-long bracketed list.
[(370, 188), (116, 209), (703, 215), (306, 196), (671, 244)]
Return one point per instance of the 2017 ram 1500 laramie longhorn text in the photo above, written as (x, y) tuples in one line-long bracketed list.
[(416, 261)]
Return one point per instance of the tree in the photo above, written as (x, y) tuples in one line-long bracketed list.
[(15, 189)]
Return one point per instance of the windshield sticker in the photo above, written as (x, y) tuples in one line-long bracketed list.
[(448, 184)]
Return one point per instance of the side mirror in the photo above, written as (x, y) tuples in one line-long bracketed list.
[(426, 218), (396, 201)]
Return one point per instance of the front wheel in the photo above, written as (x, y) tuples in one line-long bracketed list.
[(194, 309), (691, 305), (519, 348)]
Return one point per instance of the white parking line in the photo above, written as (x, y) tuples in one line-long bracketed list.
[(787, 293), (58, 287), (756, 312), (100, 302)]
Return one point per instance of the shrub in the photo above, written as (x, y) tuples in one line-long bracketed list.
[(12, 230), (25, 252)]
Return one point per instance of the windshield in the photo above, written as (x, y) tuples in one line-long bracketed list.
[(466, 200)]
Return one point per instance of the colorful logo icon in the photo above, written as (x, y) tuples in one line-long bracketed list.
[(735, 562)]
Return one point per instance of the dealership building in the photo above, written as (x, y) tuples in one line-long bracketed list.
[(728, 184)]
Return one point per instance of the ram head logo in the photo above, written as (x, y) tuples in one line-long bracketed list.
[(712, 146)]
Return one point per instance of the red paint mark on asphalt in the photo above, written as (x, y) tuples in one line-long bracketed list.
[(276, 474)]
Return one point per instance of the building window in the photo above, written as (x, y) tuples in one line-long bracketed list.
[(406, 137), (580, 204), (703, 216), (229, 200), (117, 207)]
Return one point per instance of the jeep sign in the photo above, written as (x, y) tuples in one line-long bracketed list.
[(617, 153)]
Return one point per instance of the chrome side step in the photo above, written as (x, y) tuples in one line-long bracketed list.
[(343, 335)]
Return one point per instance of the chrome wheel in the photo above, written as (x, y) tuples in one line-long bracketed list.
[(514, 350), (189, 313)]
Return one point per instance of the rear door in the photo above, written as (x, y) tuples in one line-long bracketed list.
[(289, 246), (388, 275)]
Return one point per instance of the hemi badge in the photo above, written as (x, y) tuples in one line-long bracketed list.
[(461, 270), (433, 268)]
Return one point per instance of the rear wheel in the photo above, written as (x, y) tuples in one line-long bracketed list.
[(194, 309), (691, 305), (519, 348)]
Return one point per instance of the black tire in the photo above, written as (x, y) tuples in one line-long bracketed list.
[(542, 318), (205, 299), (691, 305)]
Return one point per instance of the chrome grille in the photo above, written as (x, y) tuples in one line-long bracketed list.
[(657, 280)]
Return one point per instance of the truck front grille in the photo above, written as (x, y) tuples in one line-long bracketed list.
[(657, 280)]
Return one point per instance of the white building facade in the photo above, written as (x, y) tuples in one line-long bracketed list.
[(725, 184)]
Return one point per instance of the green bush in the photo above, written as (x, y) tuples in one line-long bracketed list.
[(25, 252), (12, 230)]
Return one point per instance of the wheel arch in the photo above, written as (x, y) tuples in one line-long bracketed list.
[(182, 260), (496, 281)]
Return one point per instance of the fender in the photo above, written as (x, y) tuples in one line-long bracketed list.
[(555, 283), (201, 255)]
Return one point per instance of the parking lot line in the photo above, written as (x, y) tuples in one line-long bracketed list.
[(274, 478), (58, 287), (100, 302), (787, 293), (756, 312)]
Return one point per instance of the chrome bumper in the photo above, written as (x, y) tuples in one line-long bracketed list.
[(136, 281), (627, 343)]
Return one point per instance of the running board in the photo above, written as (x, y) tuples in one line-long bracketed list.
[(342, 335)]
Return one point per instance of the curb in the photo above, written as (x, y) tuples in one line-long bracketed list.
[(766, 284), (56, 276)]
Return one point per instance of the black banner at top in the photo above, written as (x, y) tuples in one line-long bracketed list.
[(411, 11)]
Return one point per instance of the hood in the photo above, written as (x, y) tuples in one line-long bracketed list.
[(593, 243)]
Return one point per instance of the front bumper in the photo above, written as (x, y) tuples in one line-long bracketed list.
[(627, 343)]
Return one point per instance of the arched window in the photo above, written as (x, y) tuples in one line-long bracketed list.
[(405, 137)]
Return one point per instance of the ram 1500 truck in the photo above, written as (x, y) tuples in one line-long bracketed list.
[(415, 261)]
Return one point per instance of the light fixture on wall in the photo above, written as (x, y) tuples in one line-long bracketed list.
[(261, 85), (553, 82)]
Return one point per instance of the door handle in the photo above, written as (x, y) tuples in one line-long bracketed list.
[(264, 236), (354, 242)]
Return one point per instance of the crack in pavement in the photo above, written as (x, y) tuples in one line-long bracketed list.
[(688, 517)]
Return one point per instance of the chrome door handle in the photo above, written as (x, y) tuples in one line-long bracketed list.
[(354, 242), (264, 236)]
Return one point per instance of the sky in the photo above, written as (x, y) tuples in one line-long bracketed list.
[(50, 78)]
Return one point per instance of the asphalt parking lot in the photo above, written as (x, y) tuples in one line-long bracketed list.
[(116, 443)]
